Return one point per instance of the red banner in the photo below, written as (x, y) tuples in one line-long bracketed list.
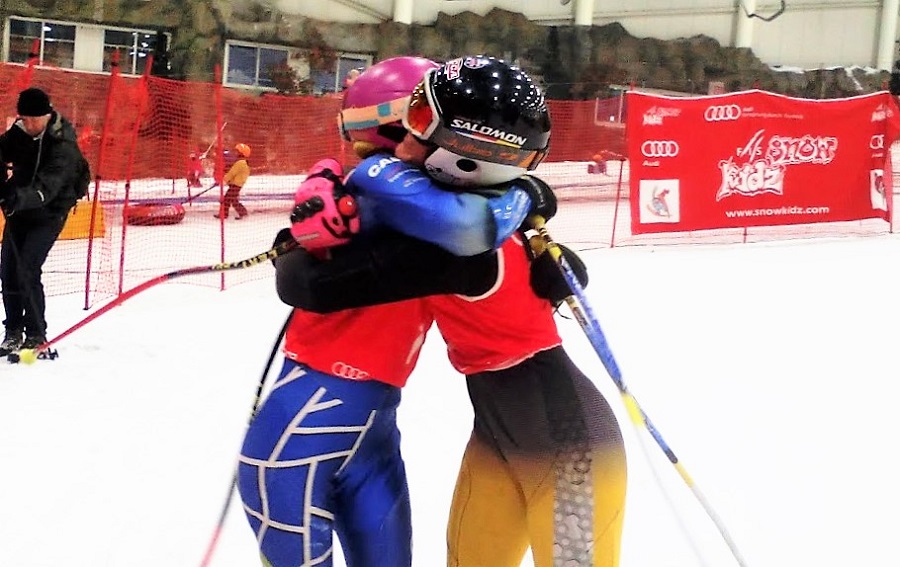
[(758, 159)]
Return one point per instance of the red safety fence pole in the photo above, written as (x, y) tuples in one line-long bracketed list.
[(220, 166), (98, 175)]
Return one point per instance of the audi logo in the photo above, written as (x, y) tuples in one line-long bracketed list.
[(659, 148), (877, 142), (722, 113), (344, 370)]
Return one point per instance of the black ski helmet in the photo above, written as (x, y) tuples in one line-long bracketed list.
[(488, 119)]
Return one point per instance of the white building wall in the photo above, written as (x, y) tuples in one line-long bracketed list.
[(362, 12), (809, 34), (819, 38), (719, 26)]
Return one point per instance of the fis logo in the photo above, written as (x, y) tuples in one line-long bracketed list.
[(722, 113)]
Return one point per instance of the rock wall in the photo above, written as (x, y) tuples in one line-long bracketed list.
[(570, 61)]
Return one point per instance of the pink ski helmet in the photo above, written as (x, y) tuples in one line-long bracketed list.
[(374, 104)]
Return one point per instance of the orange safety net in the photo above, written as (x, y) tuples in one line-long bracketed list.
[(158, 149)]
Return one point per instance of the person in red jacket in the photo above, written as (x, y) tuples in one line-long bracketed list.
[(194, 169), (545, 466)]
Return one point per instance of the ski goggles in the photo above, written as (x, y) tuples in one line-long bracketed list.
[(422, 119), (374, 116)]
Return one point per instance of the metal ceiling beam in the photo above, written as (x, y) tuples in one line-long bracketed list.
[(363, 9)]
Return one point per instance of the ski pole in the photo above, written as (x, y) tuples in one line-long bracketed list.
[(279, 250), (211, 546), (192, 197), (206, 153), (584, 314)]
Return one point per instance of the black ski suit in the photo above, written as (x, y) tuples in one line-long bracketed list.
[(35, 201)]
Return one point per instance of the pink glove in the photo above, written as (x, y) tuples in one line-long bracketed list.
[(324, 214)]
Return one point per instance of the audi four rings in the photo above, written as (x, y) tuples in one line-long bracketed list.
[(877, 142), (722, 113), (344, 370), (659, 148)]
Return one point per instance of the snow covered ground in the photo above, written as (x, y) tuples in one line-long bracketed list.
[(770, 369)]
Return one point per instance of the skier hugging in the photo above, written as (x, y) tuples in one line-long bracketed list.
[(431, 227)]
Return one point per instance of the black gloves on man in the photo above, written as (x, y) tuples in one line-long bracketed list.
[(7, 198)]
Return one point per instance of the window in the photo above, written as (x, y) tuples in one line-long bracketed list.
[(84, 47), (133, 49), (330, 81), (21, 39), (55, 42), (251, 65), (346, 63), (263, 66)]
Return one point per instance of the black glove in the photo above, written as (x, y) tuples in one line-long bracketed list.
[(543, 201), (8, 197), (546, 278), (284, 235)]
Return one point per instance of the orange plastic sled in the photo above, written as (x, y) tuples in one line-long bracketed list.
[(154, 214)]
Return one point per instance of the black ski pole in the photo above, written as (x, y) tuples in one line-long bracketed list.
[(272, 253)]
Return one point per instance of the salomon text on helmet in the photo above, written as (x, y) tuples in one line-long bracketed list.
[(374, 104), (488, 119)]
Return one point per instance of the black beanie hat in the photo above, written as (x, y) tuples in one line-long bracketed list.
[(33, 102)]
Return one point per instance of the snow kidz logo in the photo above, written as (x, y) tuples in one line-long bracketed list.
[(655, 115), (722, 113), (882, 113), (819, 150), (761, 170), (660, 149), (344, 370)]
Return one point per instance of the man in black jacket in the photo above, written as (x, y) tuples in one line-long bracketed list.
[(41, 149)]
